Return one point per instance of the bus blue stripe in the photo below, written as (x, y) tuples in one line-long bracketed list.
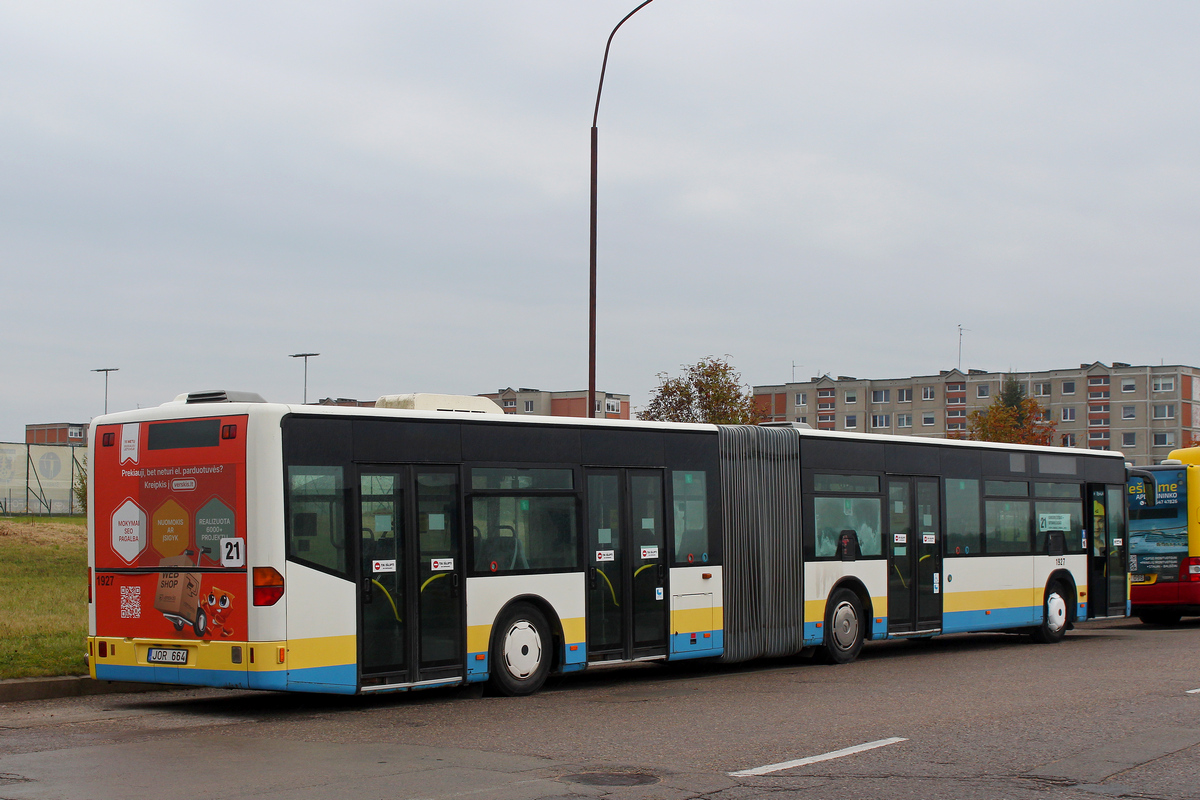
[(682, 645)]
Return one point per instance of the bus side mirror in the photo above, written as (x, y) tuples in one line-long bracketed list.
[(1148, 482)]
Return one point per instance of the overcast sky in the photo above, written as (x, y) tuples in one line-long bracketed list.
[(192, 191)]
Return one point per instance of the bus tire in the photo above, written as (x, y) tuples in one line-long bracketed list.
[(520, 651), (1055, 616), (1160, 617), (844, 627), (200, 626)]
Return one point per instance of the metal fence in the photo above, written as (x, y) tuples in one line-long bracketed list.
[(38, 478)]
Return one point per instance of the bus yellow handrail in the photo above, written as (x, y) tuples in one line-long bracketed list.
[(642, 567), (611, 590), (388, 595), (433, 578)]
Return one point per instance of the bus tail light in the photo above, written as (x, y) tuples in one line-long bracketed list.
[(1189, 569), (268, 586)]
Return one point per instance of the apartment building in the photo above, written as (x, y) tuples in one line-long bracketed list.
[(1143, 411), (57, 433), (560, 404)]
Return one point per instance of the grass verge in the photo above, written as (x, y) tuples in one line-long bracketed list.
[(43, 596)]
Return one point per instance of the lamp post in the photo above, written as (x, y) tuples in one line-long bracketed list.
[(305, 356), (592, 250), (106, 370)]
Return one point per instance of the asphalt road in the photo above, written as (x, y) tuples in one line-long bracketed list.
[(1105, 713)]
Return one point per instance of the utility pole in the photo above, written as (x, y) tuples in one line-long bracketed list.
[(305, 356), (106, 370)]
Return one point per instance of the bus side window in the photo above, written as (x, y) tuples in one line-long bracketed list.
[(515, 533), (689, 493), (316, 530), (835, 515), (963, 533)]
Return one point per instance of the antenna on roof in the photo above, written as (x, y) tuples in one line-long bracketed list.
[(960, 333)]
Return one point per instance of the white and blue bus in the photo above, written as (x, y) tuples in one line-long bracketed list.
[(239, 543)]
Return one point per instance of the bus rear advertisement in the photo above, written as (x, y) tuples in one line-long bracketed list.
[(169, 545)]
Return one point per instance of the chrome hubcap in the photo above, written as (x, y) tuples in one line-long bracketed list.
[(845, 626)]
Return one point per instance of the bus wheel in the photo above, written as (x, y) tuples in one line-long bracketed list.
[(1054, 616), (843, 627), (1160, 617), (201, 623), (520, 651)]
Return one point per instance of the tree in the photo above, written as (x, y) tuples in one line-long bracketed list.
[(709, 391), (1012, 417), (79, 488)]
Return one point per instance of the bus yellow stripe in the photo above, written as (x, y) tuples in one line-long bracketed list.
[(989, 599)]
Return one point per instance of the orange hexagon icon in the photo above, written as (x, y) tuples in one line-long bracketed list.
[(170, 529)]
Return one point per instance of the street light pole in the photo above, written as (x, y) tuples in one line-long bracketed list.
[(106, 370), (592, 249), (305, 356)]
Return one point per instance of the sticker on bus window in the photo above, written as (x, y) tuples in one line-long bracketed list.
[(388, 565), (928, 538), (441, 564), (233, 552), (437, 522), (1118, 542), (900, 538), (647, 523), (936, 587), (606, 555), (928, 519), (604, 535), (649, 552), (383, 523), (658, 593)]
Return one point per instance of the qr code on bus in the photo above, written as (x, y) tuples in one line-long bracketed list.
[(131, 602)]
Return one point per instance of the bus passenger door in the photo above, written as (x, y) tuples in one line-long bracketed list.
[(410, 587), (1106, 556), (1097, 575), (915, 557), (627, 558)]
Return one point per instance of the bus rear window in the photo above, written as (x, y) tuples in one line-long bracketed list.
[(178, 435)]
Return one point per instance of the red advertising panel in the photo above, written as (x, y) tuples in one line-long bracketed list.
[(170, 529)]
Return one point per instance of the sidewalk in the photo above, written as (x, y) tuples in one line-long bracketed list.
[(18, 689)]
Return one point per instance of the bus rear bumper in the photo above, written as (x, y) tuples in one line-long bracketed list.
[(1177, 595)]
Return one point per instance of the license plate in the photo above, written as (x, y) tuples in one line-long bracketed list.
[(166, 655), (1137, 578)]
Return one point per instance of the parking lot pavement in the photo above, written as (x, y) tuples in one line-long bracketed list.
[(1106, 713)]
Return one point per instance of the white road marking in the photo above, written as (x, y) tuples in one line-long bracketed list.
[(800, 762), (1193, 691)]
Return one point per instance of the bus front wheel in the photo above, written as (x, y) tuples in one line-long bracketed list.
[(1054, 616), (844, 629), (520, 651)]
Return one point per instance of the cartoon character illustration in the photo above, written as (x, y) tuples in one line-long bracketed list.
[(218, 606)]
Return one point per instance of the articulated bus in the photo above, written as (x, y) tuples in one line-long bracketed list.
[(1164, 540), (239, 543)]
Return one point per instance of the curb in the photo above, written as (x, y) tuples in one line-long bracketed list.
[(16, 690)]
